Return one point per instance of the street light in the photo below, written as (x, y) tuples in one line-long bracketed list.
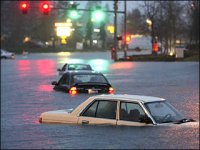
[(153, 41), (149, 22)]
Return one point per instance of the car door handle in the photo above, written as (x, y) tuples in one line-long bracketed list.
[(85, 122)]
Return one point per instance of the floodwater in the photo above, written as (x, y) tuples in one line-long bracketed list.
[(26, 92)]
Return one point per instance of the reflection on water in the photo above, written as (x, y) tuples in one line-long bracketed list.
[(70, 61), (122, 66), (26, 92), (42, 67), (24, 67), (64, 54), (100, 65), (45, 88), (45, 67)]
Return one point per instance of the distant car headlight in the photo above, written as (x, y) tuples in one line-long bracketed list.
[(111, 90)]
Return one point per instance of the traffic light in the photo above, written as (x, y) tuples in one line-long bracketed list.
[(127, 39), (119, 38), (45, 8), (115, 5), (73, 13), (98, 14), (113, 48), (24, 7)]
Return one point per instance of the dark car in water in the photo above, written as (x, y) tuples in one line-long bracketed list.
[(90, 82)]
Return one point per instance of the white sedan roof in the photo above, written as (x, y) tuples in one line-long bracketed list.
[(125, 97)]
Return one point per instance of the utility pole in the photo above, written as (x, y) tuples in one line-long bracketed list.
[(153, 36), (125, 44), (115, 32)]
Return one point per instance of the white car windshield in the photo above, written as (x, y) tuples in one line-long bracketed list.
[(79, 67), (163, 112)]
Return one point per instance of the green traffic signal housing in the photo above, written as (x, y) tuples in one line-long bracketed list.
[(73, 12), (98, 15)]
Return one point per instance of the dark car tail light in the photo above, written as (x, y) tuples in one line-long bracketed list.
[(40, 120), (73, 91), (111, 90)]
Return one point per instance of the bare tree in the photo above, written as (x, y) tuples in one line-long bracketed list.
[(167, 21), (193, 9), (151, 9), (170, 24), (16, 26), (136, 22)]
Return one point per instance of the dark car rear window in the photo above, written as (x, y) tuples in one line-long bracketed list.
[(84, 78)]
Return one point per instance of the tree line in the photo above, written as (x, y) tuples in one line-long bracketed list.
[(171, 21), (15, 26)]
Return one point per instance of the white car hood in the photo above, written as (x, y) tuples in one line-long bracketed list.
[(57, 116), (182, 125)]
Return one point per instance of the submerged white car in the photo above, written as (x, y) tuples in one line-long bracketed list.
[(7, 55), (128, 110)]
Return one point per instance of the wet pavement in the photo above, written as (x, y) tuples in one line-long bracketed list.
[(26, 92)]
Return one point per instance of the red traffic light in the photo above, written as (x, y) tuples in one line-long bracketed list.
[(127, 38), (24, 7), (113, 48), (119, 38), (45, 8)]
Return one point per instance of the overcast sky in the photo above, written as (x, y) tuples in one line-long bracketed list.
[(130, 4)]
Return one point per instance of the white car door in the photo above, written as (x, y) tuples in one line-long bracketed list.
[(100, 112), (130, 123), (96, 121), (131, 114)]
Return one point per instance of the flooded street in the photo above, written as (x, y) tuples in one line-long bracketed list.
[(26, 92)]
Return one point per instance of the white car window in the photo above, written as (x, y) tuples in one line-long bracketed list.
[(90, 112), (102, 109), (163, 112), (131, 112), (161, 109), (78, 67), (64, 80)]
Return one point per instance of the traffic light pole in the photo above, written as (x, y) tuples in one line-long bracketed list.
[(125, 43), (79, 9), (108, 11), (114, 52), (115, 31)]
